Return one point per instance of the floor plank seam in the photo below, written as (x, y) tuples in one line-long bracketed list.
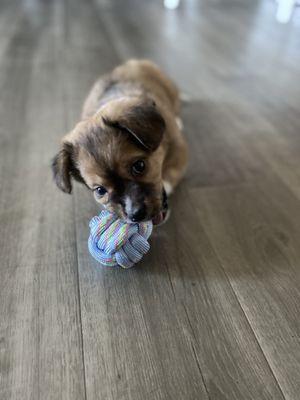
[(66, 123), (251, 329), (199, 367), (170, 280), (194, 350), (67, 102), (79, 300)]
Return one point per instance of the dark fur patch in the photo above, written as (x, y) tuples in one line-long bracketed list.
[(119, 185), (92, 143), (143, 123), (63, 168), (137, 191)]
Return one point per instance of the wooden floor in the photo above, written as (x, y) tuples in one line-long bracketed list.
[(213, 312)]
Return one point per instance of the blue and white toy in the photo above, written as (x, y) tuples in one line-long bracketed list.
[(115, 242)]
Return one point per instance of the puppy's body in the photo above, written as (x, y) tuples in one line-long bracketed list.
[(128, 125)]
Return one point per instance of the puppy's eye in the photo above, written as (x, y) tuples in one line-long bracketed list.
[(100, 191), (138, 167)]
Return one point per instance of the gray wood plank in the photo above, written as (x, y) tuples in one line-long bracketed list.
[(172, 327), (134, 345), (211, 312), (10, 16), (133, 341), (229, 356), (254, 230), (40, 331), (221, 136), (281, 147)]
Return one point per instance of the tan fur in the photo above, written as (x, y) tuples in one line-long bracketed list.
[(138, 97), (165, 94)]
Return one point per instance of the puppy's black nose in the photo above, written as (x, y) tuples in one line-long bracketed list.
[(139, 214)]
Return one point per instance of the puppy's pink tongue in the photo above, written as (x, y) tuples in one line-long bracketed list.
[(158, 219)]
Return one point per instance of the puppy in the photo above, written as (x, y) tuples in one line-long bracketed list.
[(128, 148)]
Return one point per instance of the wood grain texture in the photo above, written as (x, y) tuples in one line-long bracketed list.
[(134, 343), (255, 233), (212, 311), (40, 345), (122, 300)]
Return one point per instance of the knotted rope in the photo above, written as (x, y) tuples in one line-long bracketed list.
[(113, 241)]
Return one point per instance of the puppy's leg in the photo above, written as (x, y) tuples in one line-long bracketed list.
[(168, 187), (179, 123), (175, 165)]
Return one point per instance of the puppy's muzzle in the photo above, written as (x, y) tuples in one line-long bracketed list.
[(139, 214)]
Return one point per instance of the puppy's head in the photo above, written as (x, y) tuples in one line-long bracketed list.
[(118, 155)]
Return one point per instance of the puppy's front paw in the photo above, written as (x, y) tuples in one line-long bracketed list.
[(163, 215), (179, 123), (168, 187)]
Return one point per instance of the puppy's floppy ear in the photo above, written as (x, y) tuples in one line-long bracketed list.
[(143, 122), (63, 168)]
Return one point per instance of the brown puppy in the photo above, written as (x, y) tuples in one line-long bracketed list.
[(128, 148)]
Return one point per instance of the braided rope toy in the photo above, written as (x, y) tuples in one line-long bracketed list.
[(115, 242)]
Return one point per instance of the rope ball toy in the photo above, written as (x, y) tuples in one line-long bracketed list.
[(115, 242)]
